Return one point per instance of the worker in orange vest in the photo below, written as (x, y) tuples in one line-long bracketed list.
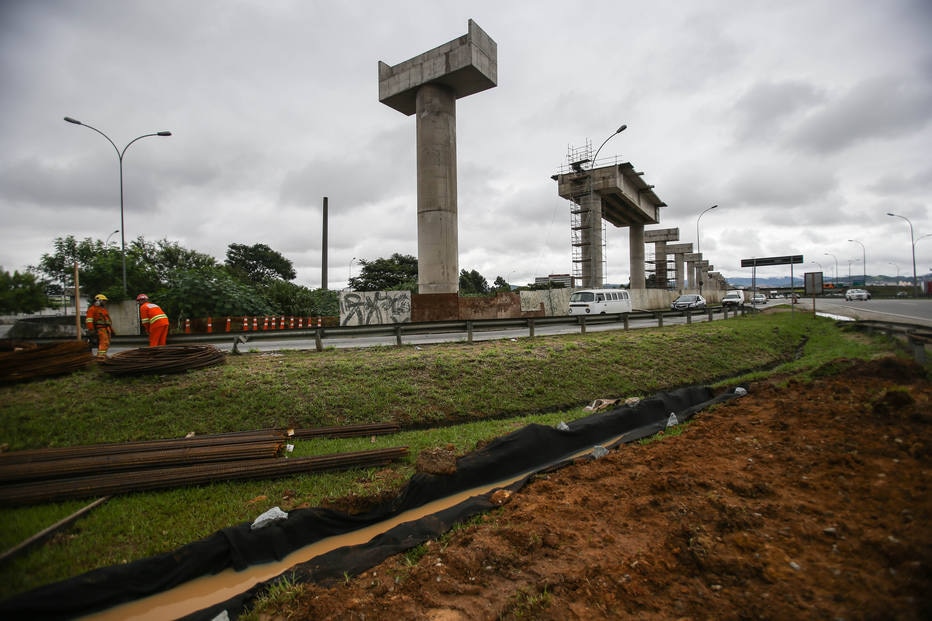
[(99, 325), (154, 320)]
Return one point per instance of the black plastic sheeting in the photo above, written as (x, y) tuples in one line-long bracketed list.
[(524, 452)]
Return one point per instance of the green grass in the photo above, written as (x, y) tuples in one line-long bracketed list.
[(456, 394)]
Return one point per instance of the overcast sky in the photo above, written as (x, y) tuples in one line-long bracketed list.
[(806, 121)]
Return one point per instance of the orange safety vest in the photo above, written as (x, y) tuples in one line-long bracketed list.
[(152, 315), (97, 318)]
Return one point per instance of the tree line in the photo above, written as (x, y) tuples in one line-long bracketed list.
[(252, 279)]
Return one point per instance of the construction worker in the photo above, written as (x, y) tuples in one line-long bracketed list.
[(99, 325), (154, 320)]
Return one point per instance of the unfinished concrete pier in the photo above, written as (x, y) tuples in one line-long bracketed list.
[(619, 195), (428, 86)]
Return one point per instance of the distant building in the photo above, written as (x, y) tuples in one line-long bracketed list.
[(565, 279)]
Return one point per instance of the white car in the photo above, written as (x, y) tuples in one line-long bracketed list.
[(758, 298), (857, 294)]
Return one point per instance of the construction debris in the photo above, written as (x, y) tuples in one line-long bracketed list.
[(163, 359)]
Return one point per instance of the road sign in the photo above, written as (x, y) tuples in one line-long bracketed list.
[(761, 261), (813, 282)]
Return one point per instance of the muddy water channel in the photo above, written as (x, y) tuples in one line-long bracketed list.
[(210, 590)]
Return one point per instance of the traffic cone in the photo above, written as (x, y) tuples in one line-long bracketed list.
[(228, 324), (187, 326), (265, 324), (210, 325), (245, 324), (255, 324)]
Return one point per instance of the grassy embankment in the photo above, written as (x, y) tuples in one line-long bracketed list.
[(456, 394)]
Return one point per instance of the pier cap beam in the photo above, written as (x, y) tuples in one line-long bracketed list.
[(661, 235), (466, 65)]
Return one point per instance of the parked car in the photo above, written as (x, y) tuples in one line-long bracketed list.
[(733, 298), (857, 294), (689, 301), (758, 298)]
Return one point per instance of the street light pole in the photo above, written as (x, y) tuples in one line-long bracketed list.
[(107, 243), (120, 155), (829, 254), (698, 245), (592, 269), (912, 243), (863, 260)]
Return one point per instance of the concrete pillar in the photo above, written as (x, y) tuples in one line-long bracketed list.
[(590, 206), (692, 270), (678, 266), (437, 232), (636, 250), (679, 252), (660, 264), (428, 86)]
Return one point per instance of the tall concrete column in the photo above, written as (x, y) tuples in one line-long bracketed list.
[(591, 237), (636, 252), (692, 270), (428, 86), (679, 252), (437, 232)]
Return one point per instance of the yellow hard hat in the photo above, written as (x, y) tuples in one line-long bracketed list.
[(101, 297)]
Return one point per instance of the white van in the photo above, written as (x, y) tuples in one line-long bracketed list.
[(735, 298), (600, 302)]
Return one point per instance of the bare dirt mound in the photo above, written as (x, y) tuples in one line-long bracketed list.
[(798, 501)]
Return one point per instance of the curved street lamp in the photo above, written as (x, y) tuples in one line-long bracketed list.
[(912, 242), (120, 155), (592, 270), (863, 260), (829, 254), (107, 243)]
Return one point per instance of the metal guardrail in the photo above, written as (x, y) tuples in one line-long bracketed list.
[(468, 326)]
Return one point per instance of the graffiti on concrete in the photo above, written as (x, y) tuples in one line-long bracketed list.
[(368, 308)]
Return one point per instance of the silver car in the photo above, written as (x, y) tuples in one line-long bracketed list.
[(688, 302), (857, 294)]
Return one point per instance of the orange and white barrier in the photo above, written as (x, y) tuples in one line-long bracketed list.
[(187, 326), (210, 325), (228, 324)]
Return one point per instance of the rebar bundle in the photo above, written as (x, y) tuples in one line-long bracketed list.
[(163, 359), (35, 361), (163, 478)]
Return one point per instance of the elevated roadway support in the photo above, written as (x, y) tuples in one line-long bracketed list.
[(618, 195), (428, 86), (660, 237)]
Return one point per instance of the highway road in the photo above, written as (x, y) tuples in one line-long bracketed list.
[(903, 311), (907, 310)]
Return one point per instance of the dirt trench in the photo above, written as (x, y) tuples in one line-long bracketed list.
[(802, 500)]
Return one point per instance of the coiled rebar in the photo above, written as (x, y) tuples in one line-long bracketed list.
[(163, 359)]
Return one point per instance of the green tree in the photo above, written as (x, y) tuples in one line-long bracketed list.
[(291, 299), (258, 263), (473, 283), (501, 284), (210, 292), (21, 293), (397, 273)]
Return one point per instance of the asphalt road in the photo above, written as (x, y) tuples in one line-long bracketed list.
[(904, 311), (916, 311)]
